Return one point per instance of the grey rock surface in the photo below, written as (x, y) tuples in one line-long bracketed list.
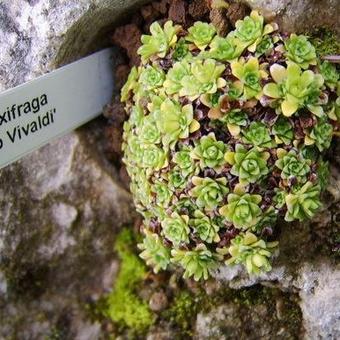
[(320, 298), (302, 15), (59, 218), (61, 206), (209, 325), (227, 322)]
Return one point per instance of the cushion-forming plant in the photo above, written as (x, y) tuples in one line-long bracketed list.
[(225, 136)]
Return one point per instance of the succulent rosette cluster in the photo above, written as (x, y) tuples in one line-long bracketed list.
[(225, 136)]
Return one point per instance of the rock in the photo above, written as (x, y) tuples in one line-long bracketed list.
[(161, 6), (130, 45), (158, 301), (149, 13), (230, 321), (198, 8), (177, 11), (114, 136), (320, 300), (212, 286), (89, 332), (121, 75), (163, 332), (115, 112), (220, 21), (113, 131), (61, 206), (244, 315), (237, 11), (58, 232), (209, 326), (300, 16), (124, 177)]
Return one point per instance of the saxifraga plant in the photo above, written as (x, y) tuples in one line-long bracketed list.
[(225, 135)]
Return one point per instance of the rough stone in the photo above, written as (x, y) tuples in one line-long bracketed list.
[(220, 21), (61, 206), (302, 15), (161, 6), (251, 313), (320, 300), (149, 13), (58, 235), (121, 75), (158, 301), (198, 8), (130, 45), (232, 321), (177, 11), (209, 325), (237, 11), (163, 332)]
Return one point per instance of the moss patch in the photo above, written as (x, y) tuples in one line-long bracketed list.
[(182, 311), (123, 306), (130, 315), (325, 41), (334, 239), (282, 310)]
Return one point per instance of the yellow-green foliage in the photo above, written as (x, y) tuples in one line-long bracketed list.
[(123, 305), (191, 171)]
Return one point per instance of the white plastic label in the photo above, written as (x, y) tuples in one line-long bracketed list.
[(38, 111)]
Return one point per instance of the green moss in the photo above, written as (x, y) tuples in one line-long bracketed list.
[(326, 235), (333, 242), (248, 298), (55, 334), (185, 306), (183, 311), (325, 42), (132, 317), (123, 306)]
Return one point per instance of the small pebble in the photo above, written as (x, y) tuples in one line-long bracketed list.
[(237, 11), (279, 308), (158, 301)]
